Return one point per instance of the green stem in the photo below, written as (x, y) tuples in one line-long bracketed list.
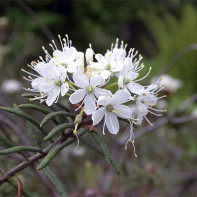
[(111, 85)]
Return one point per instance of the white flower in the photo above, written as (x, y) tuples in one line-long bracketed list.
[(89, 55), (171, 84), (112, 106), (67, 56), (11, 86), (50, 83), (89, 91), (146, 99), (112, 62)]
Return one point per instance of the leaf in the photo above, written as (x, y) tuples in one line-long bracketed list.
[(56, 181), (98, 150), (25, 116), (38, 108), (62, 106), (20, 149), (50, 156), (102, 144), (20, 187), (30, 95), (6, 142), (35, 107), (25, 193), (57, 149), (58, 129), (54, 114), (31, 129)]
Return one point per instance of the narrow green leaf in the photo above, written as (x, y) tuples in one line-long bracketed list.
[(56, 181), (62, 106), (115, 165), (57, 149), (58, 129), (25, 116), (35, 107), (17, 149), (98, 150), (12, 182), (30, 95), (54, 114), (38, 108), (102, 144), (33, 132), (5, 141)]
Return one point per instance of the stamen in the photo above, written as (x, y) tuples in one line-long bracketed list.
[(148, 121), (159, 110), (51, 46), (154, 113), (54, 44), (61, 42), (29, 73), (27, 79), (104, 125), (145, 75)]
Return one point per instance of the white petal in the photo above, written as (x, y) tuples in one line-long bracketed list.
[(101, 92), (121, 96), (52, 96), (96, 81), (120, 81), (89, 103), (123, 111), (77, 96), (135, 88), (104, 100), (36, 82), (150, 99), (112, 123), (81, 79), (97, 116), (64, 89), (47, 87), (105, 74), (101, 59)]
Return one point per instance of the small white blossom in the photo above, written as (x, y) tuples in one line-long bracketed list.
[(50, 83), (11, 86), (89, 55), (89, 91), (111, 107), (112, 62), (171, 84), (146, 99)]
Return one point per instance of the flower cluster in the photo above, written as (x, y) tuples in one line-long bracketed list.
[(86, 81)]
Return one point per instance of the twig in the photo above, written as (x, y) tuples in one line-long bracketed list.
[(33, 159), (27, 163), (18, 132), (46, 182), (177, 57), (31, 12)]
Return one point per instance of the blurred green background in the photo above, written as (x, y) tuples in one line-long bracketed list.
[(165, 33)]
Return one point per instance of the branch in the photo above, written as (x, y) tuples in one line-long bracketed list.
[(31, 12), (27, 163), (177, 57), (36, 157)]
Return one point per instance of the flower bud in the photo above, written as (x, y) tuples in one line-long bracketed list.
[(89, 55)]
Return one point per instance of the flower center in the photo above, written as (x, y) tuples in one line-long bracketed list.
[(110, 108), (127, 81), (90, 89), (58, 83), (63, 64), (108, 66)]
